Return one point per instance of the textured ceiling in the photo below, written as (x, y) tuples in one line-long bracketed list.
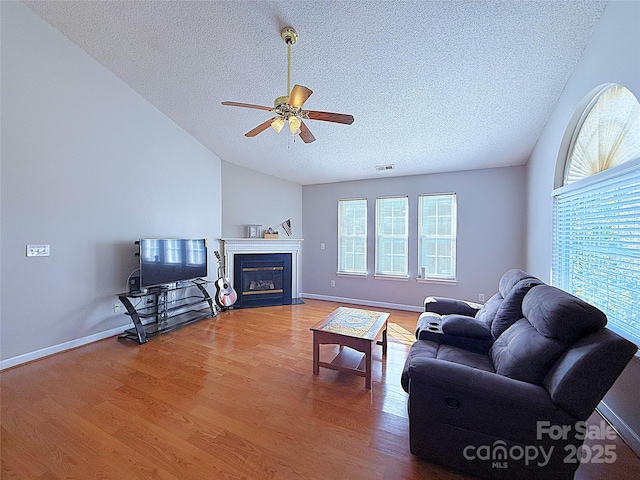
[(434, 86)]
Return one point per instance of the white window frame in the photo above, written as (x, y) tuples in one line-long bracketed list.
[(394, 236), (423, 272), (351, 237)]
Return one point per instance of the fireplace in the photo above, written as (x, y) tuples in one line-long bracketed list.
[(262, 279), (243, 246)]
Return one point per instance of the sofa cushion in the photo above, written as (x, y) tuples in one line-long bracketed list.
[(554, 320), (489, 309), (510, 310), (510, 279), (424, 351), (559, 315), (461, 356), (522, 353)]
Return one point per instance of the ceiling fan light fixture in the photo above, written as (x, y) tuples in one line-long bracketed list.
[(289, 108), (277, 124), (294, 125)]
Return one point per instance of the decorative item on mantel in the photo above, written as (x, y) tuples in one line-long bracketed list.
[(270, 233), (253, 231), (286, 225)]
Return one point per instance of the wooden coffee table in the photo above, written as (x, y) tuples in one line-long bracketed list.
[(354, 328)]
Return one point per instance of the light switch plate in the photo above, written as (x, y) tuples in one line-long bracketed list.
[(38, 250)]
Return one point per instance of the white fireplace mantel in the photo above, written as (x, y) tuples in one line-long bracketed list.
[(233, 246)]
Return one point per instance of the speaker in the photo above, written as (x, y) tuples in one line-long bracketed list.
[(134, 284)]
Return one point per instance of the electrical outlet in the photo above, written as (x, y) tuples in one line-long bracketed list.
[(116, 307), (322, 245), (481, 297), (333, 283), (38, 250)]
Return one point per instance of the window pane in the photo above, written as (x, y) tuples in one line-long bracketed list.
[(444, 225)]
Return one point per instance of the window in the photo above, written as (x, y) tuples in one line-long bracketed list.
[(437, 227), (608, 134), (596, 218), (352, 236), (173, 251), (392, 238), (152, 253), (196, 252)]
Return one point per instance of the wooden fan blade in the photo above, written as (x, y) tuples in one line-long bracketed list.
[(330, 117), (247, 105), (260, 128), (298, 96), (305, 134)]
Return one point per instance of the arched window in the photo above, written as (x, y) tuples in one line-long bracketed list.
[(596, 221)]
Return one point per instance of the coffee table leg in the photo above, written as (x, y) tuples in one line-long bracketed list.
[(367, 360), (384, 340), (316, 354)]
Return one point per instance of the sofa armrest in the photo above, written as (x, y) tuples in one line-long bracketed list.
[(463, 325), (584, 374), (459, 331), (446, 306)]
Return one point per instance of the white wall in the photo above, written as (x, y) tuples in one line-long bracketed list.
[(491, 205), (612, 55), (88, 166), (251, 197)]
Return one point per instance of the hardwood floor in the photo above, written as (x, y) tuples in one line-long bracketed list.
[(232, 397)]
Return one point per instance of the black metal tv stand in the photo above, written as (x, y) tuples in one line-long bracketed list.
[(159, 310)]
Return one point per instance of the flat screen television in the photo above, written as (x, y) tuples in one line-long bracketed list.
[(164, 261)]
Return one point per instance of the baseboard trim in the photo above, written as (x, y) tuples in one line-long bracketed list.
[(627, 434), (359, 301), (45, 352)]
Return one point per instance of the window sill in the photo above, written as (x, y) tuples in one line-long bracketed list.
[(396, 278), (436, 280), (352, 274)]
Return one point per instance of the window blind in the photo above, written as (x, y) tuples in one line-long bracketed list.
[(596, 243)]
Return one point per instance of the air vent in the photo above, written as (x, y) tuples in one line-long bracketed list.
[(382, 168)]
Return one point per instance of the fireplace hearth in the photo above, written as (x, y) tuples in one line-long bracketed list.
[(262, 279)]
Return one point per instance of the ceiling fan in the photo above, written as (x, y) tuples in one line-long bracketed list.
[(288, 108)]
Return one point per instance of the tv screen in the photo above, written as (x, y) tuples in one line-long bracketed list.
[(165, 261)]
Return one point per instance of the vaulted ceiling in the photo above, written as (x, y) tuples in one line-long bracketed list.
[(434, 86)]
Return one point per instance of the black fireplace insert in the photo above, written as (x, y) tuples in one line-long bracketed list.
[(262, 279)]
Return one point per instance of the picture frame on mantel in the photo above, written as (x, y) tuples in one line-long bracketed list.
[(253, 231)]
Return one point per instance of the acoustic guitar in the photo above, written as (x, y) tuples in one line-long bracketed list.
[(226, 296)]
